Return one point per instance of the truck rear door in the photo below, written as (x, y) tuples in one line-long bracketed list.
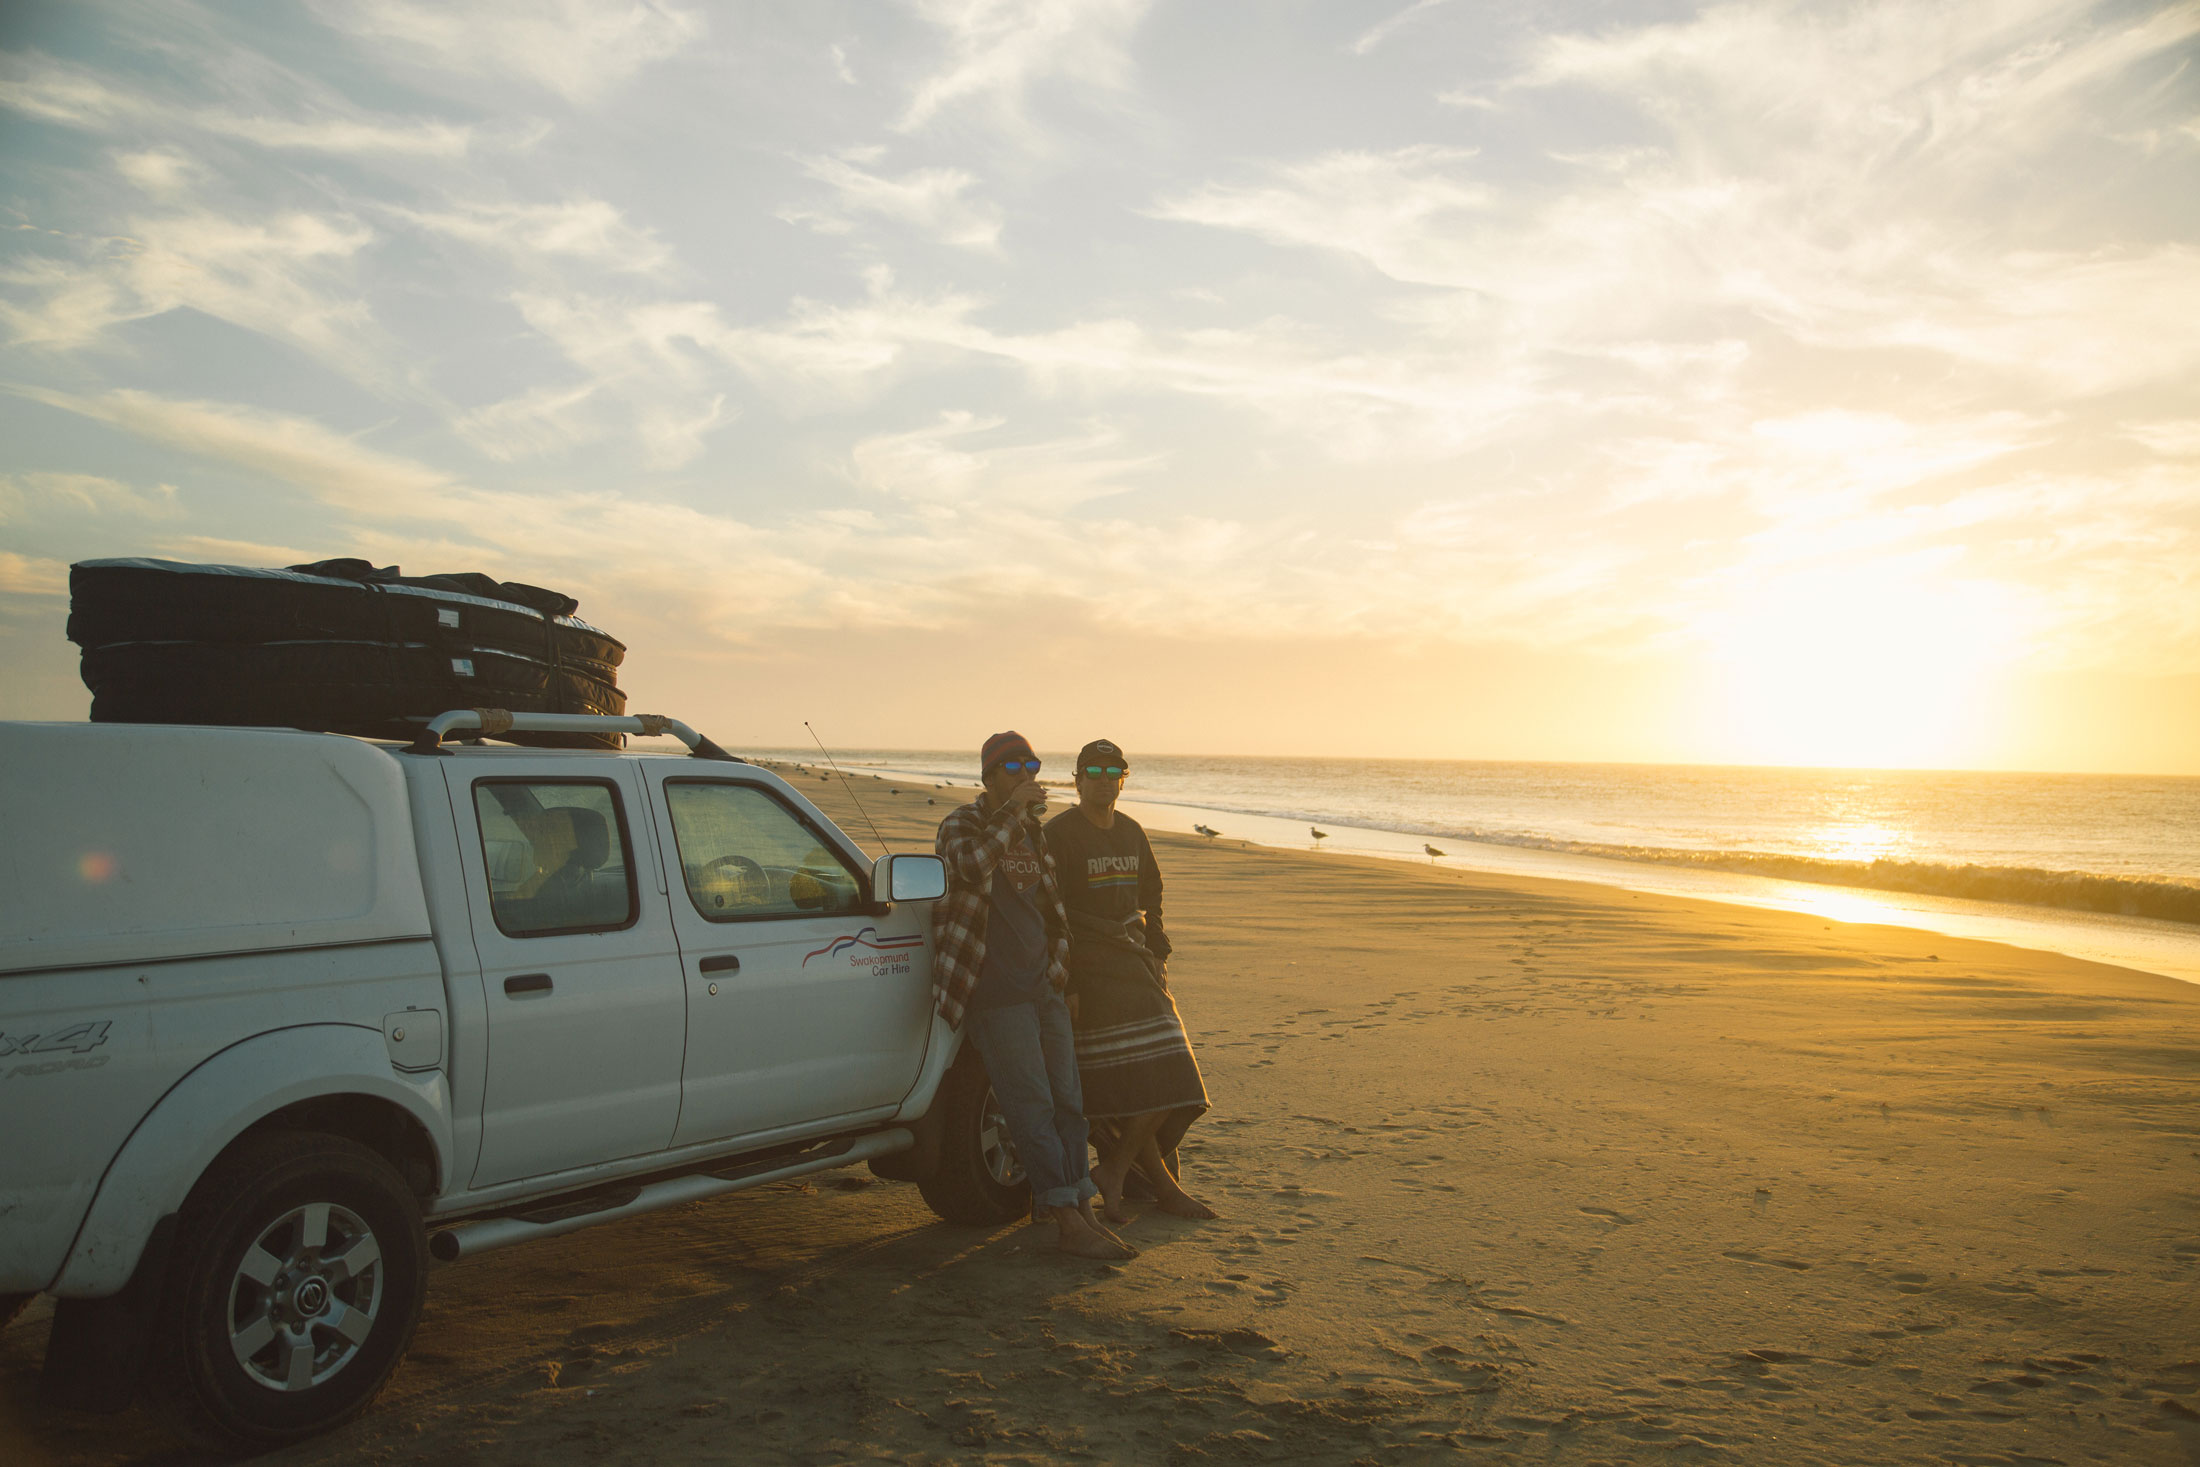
[(580, 971)]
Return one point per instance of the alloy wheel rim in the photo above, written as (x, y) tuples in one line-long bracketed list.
[(993, 1143), (303, 1298)]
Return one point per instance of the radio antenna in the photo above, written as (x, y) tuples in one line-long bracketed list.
[(867, 820)]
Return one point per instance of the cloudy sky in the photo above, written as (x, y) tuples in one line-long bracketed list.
[(1759, 382)]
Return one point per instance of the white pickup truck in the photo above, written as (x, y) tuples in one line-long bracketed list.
[(284, 1014)]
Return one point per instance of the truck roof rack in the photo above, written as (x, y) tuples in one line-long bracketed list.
[(494, 721)]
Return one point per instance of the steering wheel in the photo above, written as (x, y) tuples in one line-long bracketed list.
[(751, 887)]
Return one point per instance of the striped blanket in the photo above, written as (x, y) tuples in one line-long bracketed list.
[(1132, 1054)]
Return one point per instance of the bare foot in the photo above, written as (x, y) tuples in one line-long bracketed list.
[(1083, 1244), (1110, 1184), (1085, 1210), (1184, 1204)]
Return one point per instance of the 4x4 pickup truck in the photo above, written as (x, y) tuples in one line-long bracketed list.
[(275, 1005)]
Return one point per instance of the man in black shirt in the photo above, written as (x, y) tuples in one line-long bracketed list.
[(1142, 1087)]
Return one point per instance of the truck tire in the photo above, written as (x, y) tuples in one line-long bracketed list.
[(978, 1180), (299, 1270)]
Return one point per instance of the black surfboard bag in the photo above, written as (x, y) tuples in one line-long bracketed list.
[(338, 646)]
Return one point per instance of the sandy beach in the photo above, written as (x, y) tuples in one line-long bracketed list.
[(1510, 1170)]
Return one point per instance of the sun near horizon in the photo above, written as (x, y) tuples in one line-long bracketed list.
[(1730, 384)]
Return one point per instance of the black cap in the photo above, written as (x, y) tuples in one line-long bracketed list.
[(1101, 751)]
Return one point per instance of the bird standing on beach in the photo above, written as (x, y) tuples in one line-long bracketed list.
[(1319, 833), (1207, 830), (1433, 853)]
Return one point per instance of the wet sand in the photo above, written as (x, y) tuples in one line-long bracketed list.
[(1512, 1169)]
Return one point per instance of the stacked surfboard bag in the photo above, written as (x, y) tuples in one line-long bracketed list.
[(338, 646)]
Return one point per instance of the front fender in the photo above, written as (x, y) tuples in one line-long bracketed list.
[(939, 1058), (213, 1105)]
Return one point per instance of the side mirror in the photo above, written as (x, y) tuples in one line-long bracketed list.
[(909, 879)]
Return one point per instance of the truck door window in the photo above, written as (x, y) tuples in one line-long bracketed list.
[(556, 856), (745, 855)]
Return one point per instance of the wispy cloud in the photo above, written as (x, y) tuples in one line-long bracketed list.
[(999, 50), (933, 201), (591, 231), (39, 87), (287, 276), (1819, 172), (32, 575), (37, 495), (667, 363), (2170, 437), (1412, 213), (978, 523), (1390, 25), (582, 50), (961, 459), (333, 468)]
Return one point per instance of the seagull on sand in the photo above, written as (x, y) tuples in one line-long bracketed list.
[(1319, 833), (1207, 830), (1433, 853)]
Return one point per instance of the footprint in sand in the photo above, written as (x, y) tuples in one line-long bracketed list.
[(1741, 1255), (1250, 1343)]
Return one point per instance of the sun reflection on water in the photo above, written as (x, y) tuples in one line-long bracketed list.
[(1854, 842)]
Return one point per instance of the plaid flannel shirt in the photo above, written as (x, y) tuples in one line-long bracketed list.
[(973, 841)]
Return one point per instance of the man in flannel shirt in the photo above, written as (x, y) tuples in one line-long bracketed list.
[(999, 966)]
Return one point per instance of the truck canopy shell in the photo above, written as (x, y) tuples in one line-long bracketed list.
[(136, 843)]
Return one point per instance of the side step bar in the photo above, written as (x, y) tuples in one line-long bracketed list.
[(467, 1239)]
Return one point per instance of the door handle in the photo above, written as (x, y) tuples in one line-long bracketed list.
[(719, 963), (528, 983)]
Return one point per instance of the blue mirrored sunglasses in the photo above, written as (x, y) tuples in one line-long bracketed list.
[(1019, 766)]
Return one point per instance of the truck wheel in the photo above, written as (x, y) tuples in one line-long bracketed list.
[(299, 1270), (979, 1179)]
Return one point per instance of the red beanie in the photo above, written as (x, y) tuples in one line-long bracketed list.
[(1010, 745)]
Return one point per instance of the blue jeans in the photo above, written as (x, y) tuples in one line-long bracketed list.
[(1030, 1054)]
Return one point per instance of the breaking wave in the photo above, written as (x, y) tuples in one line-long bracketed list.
[(2166, 901), (2027, 886)]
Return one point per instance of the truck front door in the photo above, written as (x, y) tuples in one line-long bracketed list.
[(587, 1012), (804, 1004)]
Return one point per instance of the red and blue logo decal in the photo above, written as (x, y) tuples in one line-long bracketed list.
[(868, 939)]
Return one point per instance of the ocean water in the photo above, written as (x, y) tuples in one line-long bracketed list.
[(2104, 854)]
